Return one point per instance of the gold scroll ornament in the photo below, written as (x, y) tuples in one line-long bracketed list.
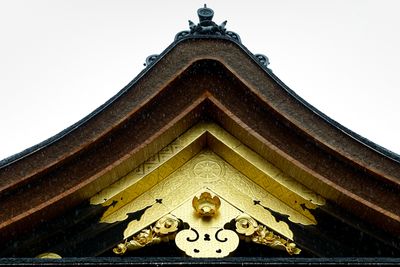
[(206, 236), (206, 159), (164, 230), (252, 231)]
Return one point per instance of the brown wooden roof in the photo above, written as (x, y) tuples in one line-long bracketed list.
[(201, 77)]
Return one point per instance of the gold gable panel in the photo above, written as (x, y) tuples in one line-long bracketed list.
[(207, 158)]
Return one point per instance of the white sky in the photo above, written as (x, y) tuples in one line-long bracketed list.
[(59, 60)]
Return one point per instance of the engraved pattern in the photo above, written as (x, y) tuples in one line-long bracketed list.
[(246, 191), (152, 163), (208, 170), (232, 186), (207, 243), (176, 183)]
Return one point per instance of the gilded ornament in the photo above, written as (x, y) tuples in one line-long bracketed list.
[(163, 230), (292, 249), (226, 169), (207, 242), (145, 237), (246, 225), (259, 234), (166, 225), (120, 249), (49, 255), (206, 205)]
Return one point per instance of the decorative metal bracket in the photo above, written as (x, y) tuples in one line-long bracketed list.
[(164, 230), (263, 59), (207, 26), (150, 60), (205, 234), (250, 230), (206, 205), (207, 242)]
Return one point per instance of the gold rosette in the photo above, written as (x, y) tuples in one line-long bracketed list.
[(120, 249), (259, 234), (166, 225), (246, 225), (206, 205)]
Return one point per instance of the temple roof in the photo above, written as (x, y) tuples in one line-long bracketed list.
[(206, 75), (194, 31)]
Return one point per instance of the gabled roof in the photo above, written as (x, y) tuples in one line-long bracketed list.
[(205, 74)]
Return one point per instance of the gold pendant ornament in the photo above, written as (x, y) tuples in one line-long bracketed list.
[(206, 205), (205, 235), (207, 242), (195, 187)]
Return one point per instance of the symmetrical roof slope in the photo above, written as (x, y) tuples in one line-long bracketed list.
[(206, 74)]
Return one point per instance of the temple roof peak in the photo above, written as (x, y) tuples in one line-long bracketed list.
[(206, 26)]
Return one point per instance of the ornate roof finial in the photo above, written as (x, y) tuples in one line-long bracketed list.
[(207, 26), (205, 13)]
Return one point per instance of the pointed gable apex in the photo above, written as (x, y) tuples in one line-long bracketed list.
[(206, 74)]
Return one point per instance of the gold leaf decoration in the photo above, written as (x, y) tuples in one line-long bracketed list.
[(49, 255), (163, 230), (247, 226), (207, 242), (166, 225), (206, 205)]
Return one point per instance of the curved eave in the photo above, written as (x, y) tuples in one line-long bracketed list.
[(362, 140), (155, 84), (35, 148)]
